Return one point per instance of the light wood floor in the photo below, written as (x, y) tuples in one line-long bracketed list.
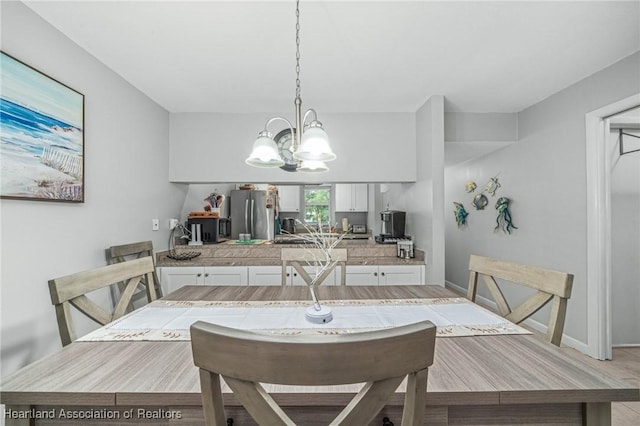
[(626, 366)]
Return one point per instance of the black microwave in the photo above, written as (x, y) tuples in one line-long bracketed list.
[(213, 230)]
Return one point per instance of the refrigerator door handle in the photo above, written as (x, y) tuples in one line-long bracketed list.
[(246, 215), (252, 214)]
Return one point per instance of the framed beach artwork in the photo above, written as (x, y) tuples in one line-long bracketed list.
[(41, 136)]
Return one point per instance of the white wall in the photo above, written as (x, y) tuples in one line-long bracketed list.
[(480, 127), (423, 200), (126, 178), (625, 241), (207, 147), (544, 173)]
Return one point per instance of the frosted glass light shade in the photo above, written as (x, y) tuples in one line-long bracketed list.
[(264, 153), (309, 166), (314, 146)]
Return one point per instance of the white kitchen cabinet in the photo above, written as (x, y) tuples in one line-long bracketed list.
[(267, 275), (174, 277), (400, 274), (361, 274), (289, 198), (225, 275), (351, 197), (272, 275), (385, 274)]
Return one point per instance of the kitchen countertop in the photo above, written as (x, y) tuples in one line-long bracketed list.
[(266, 253)]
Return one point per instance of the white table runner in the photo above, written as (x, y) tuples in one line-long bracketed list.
[(170, 320)]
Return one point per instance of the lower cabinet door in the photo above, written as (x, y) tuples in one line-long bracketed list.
[(172, 278), (267, 275), (400, 274), (225, 275), (362, 275)]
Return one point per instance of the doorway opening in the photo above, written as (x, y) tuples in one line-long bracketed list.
[(599, 245)]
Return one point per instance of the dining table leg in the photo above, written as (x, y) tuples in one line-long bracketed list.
[(597, 414)]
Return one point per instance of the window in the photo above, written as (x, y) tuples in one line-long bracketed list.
[(316, 204)]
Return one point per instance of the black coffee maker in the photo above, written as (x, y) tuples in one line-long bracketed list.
[(393, 223), (213, 230)]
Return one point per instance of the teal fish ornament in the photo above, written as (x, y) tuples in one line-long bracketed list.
[(460, 214), (504, 220)]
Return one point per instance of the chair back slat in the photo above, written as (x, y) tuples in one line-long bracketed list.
[(529, 307), (244, 359), (91, 309), (550, 285), (125, 297), (131, 251), (492, 285), (72, 289), (554, 282), (136, 250), (368, 402), (258, 402), (85, 282), (312, 256)]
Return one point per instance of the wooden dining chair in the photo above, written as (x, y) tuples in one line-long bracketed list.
[(299, 257), (552, 286), (71, 290), (124, 252), (381, 359)]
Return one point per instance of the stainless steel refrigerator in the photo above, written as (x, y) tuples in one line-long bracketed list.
[(249, 214)]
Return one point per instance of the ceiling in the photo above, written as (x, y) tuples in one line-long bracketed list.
[(356, 56)]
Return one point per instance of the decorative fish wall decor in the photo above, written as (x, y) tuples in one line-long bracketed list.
[(504, 220), (470, 187), (480, 201), (460, 214), (492, 186)]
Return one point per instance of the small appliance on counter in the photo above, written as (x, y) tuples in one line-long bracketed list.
[(392, 227), (393, 223), (288, 225), (359, 229), (405, 249), (205, 228)]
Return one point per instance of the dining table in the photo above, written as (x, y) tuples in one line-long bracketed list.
[(486, 379)]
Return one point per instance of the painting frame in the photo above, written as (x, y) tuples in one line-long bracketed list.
[(42, 141)]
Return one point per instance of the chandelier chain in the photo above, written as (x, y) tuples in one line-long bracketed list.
[(297, 48)]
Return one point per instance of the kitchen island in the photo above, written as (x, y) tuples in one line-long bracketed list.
[(233, 263)]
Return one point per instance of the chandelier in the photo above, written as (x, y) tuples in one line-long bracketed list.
[(303, 148)]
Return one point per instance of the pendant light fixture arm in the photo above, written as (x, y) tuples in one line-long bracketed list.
[(271, 120), (315, 117)]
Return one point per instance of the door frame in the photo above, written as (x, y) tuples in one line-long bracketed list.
[(598, 174)]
